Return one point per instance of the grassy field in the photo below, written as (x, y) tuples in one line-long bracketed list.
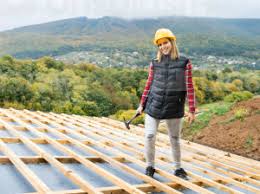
[(206, 112)]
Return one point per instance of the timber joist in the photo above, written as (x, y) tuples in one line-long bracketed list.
[(59, 153)]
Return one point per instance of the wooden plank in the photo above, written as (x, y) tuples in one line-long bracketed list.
[(227, 179), (222, 159), (65, 171), (214, 162), (161, 172), (77, 157), (198, 178), (113, 162), (232, 175), (17, 140), (62, 159), (115, 189), (24, 170), (223, 178), (207, 181), (10, 140), (244, 178), (194, 146), (246, 168), (195, 155)]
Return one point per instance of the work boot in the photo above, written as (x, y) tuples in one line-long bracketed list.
[(181, 173), (149, 171)]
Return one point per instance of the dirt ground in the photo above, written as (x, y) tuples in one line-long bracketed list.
[(234, 134)]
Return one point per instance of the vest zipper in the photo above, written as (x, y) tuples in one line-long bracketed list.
[(166, 83)]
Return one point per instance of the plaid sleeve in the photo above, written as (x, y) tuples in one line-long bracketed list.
[(147, 86), (189, 87)]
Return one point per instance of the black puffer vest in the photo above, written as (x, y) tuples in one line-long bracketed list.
[(166, 98)]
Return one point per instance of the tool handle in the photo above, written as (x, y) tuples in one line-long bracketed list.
[(136, 115)]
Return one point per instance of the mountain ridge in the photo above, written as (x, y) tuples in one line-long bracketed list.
[(74, 34)]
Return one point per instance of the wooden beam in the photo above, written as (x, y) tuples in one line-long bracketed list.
[(111, 135), (223, 178), (140, 163), (24, 170), (66, 171), (77, 157)]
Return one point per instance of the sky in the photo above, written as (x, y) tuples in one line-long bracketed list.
[(16, 13)]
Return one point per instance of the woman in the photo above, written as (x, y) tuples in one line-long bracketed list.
[(168, 84)]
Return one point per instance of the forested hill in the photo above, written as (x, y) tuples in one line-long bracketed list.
[(199, 35), (85, 26)]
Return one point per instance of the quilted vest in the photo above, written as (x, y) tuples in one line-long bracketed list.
[(166, 98)]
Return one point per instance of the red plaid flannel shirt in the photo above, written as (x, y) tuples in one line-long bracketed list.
[(189, 87)]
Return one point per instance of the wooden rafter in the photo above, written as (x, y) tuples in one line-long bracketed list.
[(220, 169)]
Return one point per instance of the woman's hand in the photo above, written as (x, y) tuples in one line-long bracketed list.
[(140, 109), (191, 117)]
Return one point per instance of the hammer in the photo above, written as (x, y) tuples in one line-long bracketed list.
[(127, 123)]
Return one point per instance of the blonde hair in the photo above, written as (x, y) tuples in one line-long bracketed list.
[(174, 52)]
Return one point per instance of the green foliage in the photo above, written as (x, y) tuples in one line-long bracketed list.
[(202, 120), (9, 59), (200, 88), (62, 87), (208, 91), (28, 70), (15, 105), (249, 142), (217, 108), (15, 89), (90, 108), (78, 110), (211, 76), (51, 63), (238, 96), (238, 83), (101, 98), (62, 107), (90, 90), (227, 70), (87, 67), (6, 65), (252, 84), (43, 96), (241, 113)]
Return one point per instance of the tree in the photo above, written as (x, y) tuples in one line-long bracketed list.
[(15, 89), (28, 70), (238, 83), (227, 70), (90, 108), (43, 96), (101, 98), (7, 66), (52, 63)]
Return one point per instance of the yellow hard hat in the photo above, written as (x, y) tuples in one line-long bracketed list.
[(163, 33)]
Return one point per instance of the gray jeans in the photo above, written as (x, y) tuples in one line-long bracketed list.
[(174, 127)]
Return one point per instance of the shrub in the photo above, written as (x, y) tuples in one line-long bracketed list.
[(238, 83), (15, 105), (221, 109), (90, 108), (241, 113), (15, 89), (238, 96), (249, 142)]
